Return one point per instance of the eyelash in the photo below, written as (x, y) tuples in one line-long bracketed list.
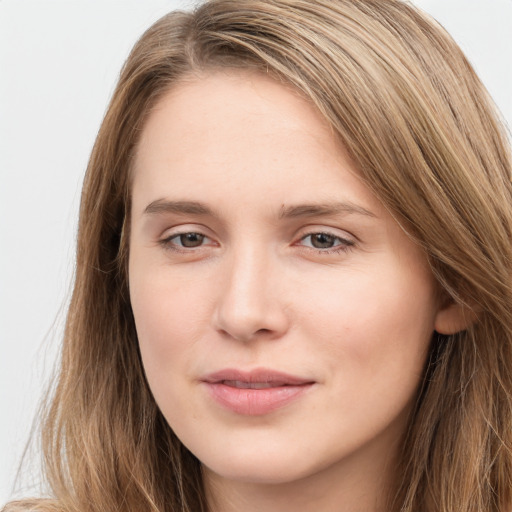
[(167, 243), (343, 244)]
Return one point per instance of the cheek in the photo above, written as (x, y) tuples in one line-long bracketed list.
[(168, 334), (377, 325), (166, 313), (373, 341)]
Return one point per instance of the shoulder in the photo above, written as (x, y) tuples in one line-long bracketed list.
[(18, 507), (32, 505), (14, 507)]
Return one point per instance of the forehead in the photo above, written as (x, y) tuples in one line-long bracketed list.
[(232, 133), (229, 108)]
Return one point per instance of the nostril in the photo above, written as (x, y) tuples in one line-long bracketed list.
[(247, 310)]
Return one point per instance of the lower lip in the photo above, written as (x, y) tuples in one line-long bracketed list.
[(255, 402)]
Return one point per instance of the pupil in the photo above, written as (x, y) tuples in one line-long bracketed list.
[(191, 239), (322, 241)]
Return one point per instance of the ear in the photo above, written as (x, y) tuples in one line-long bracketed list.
[(454, 317)]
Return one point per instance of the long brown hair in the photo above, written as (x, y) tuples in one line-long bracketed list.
[(426, 138)]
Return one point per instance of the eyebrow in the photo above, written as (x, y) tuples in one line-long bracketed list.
[(180, 207), (319, 210), (286, 212)]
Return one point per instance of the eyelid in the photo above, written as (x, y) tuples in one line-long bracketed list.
[(165, 240), (178, 235), (313, 229), (179, 229), (345, 240)]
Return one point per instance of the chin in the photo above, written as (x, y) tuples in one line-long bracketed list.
[(262, 473), (264, 465)]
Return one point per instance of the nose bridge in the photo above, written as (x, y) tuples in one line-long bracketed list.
[(249, 302)]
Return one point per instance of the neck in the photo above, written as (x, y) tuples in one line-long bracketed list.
[(351, 485)]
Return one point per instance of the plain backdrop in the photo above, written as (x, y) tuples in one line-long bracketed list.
[(59, 61)]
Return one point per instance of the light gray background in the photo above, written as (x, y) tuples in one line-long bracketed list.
[(59, 61)]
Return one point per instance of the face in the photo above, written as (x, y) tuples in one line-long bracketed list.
[(283, 315)]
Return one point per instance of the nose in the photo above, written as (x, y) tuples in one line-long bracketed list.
[(251, 303)]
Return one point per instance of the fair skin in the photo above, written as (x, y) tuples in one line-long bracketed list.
[(256, 249)]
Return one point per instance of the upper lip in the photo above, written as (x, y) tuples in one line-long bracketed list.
[(257, 375)]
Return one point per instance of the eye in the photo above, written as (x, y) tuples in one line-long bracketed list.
[(187, 240), (325, 241)]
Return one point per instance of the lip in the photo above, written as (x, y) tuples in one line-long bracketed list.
[(256, 392)]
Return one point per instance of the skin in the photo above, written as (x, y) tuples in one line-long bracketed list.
[(355, 316)]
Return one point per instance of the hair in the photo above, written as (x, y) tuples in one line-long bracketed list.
[(428, 141)]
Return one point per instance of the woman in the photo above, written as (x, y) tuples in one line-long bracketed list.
[(293, 273)]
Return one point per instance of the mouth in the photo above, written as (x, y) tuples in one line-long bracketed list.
[(252, 385), (257, 392)]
